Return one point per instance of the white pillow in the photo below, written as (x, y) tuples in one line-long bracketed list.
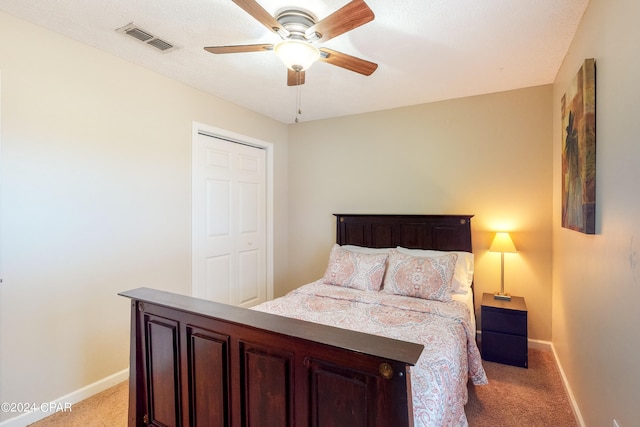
[(463, 275), (365, 250)]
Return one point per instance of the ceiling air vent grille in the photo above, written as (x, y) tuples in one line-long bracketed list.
[(146, 37), (138, 34), (160, 44)]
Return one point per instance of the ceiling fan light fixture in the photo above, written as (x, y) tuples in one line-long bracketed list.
[(297, 55)]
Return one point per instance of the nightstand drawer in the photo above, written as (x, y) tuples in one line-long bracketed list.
[(504, 348), (507, 322)]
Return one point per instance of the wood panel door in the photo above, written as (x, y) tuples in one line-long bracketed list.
[(230, 222)]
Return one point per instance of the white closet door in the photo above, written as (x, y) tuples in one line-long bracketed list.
[(230, 222)]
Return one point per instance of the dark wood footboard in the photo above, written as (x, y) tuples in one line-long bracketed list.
[(200, 363)]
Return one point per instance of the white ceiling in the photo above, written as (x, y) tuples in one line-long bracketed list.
[(427, 50)]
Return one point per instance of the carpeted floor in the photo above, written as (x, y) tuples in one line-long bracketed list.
[(514, 397), (521, 397), (106, 409)]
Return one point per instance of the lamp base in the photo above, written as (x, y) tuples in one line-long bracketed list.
[(505, 297)]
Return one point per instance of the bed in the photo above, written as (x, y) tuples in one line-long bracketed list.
[(404, 360)]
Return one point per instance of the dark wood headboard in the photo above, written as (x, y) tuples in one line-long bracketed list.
[(439, 232)]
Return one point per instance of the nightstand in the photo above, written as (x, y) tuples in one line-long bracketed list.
[(504, 331)]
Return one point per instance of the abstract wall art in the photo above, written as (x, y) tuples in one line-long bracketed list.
[(578, 108)]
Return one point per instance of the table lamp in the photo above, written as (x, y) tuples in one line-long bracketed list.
[(502, 243)]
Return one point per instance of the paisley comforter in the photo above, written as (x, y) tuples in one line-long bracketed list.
[(450, 356)]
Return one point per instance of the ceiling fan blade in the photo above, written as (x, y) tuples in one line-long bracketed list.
[(350, 16), (295, 78), (349, 62), (262, 16), (239, 48)]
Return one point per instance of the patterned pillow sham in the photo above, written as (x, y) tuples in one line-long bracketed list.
[(355, 270), (420, 277), (463, 275)]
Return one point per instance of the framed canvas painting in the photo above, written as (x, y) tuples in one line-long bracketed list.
[(578, 107)]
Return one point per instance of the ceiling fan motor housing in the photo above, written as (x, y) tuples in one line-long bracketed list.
[(297, 22)]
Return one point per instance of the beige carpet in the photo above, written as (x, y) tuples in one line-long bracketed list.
[(521, 397), (514, 397), (106, 409)]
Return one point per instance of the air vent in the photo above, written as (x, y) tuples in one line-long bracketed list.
[(160, 44), (138, 34), (146, 37)]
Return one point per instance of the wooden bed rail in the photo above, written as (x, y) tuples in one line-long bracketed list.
[(199, 363)]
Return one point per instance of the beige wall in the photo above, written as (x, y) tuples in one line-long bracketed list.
[(596, 279), (96, 182), (489, 156), (96, 199)]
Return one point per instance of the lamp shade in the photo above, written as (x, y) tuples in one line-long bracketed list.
[(297, 55), (502, 243)]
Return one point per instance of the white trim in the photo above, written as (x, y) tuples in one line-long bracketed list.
[(201, 128), (567, 387), (539, 344), (68, 399)]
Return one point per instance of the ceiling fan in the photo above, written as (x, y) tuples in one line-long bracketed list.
[(300, 31)]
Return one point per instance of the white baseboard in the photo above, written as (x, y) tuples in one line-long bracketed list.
[(64, 401), (539, 344), (567, 387)]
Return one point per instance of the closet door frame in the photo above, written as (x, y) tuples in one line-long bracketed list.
[(203, 129)]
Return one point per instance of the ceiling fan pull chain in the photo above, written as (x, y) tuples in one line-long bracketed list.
[(298, 98)]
